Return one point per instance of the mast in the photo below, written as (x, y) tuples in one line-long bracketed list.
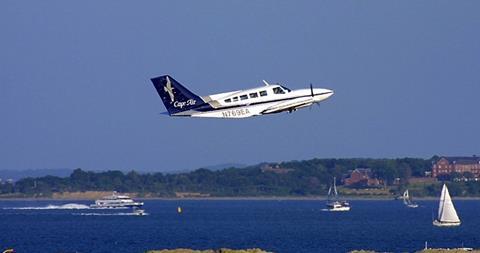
[(441, 203)]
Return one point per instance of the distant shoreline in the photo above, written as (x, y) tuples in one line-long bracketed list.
[(238, 198)]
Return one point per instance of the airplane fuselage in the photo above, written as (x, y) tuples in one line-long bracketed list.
[(269, 99), (268, 104)]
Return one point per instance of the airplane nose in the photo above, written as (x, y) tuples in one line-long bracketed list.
[(330, 92), (325, 92)]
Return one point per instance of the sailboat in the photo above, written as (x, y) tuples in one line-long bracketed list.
[(447, 216), (333, 203), (408, 201)]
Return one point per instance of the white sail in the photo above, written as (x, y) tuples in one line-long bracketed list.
[(446, 210), (329, 196), (406, 198), (335, 187)]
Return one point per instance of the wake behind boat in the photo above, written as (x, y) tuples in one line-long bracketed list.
[(116, 201), (447, 215), (333, 203)]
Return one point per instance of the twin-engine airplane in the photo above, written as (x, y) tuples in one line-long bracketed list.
[(268, 99)]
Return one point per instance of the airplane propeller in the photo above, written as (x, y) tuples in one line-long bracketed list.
[(312, 94)]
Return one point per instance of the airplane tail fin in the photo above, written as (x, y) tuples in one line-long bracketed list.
[(175, 96)]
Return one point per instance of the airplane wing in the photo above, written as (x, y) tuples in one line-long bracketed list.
[(289, 105)]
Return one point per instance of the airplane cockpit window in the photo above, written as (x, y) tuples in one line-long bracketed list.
[(243, 97), (278, 90), (235, 99), (263, 93), (228, 100), (254, 95), (285, 88)]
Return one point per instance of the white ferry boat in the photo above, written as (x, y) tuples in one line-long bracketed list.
[(116, 201)]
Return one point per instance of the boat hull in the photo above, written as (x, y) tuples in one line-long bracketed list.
[(338, 206), (446, 224), (119, 205), (338, 209)]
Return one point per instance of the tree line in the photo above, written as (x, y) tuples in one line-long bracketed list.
[(301, 178)]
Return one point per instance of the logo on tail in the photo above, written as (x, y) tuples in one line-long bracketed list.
[(168, 88)]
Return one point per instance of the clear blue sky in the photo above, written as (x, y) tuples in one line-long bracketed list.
[(75, 88)]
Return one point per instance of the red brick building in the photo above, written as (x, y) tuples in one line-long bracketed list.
[(361, 176), (448, 165)]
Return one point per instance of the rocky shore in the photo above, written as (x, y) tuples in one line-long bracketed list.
[(459, 250), (223, 250), (449, 251)]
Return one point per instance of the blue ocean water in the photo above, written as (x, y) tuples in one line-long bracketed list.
[(274, 225)]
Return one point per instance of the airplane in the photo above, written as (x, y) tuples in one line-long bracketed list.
[(268, 99)]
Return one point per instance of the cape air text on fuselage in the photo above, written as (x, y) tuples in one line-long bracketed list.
[(267, 99)]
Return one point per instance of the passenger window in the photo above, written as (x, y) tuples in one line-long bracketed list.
[(278, 90), (263, 93), (243, 97), (235, 99), (228, 100), (253, 95)]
